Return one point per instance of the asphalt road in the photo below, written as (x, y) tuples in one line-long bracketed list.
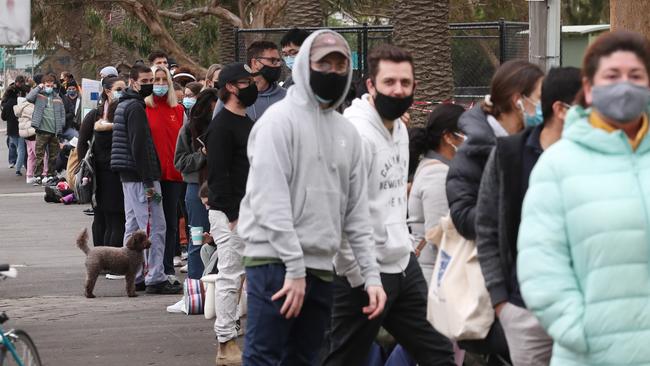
[(47, 298)]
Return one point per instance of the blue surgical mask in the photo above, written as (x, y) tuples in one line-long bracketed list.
[(289, 61), (72, 93), (188, 102), (537, 118), (160, 90), (531, 120), (48, 90), (117, 94)]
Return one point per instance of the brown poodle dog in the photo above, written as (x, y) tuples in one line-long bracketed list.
[(125, 261)]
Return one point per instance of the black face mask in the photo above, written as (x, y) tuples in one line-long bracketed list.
[(328, 87), (145, 90), (271, 74), (392, 108), (248, 95)]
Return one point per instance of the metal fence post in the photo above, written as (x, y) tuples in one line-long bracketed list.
[(236, 30), (363, 63), (502, 41)]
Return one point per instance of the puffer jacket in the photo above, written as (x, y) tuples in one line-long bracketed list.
[(584, 246), (24, 111), (40, 103), (466, 170)]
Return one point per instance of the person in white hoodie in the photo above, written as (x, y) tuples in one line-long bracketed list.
[(306, 188), (385, 141)]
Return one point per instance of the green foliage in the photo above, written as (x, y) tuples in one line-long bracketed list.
[(582, 12)]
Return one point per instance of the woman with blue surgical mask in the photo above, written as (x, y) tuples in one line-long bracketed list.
[(97, 126), (165, 115), (584, 248)]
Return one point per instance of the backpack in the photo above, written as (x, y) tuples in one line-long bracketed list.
[(84, 182)]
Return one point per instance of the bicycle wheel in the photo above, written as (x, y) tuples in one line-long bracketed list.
[(25, 349)]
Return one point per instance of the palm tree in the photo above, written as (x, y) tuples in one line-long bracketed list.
[(303, 13), (421, 27)]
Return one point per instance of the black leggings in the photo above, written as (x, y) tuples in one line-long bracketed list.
[(108, 228)]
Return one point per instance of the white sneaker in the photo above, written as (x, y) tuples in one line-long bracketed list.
[(114, 277), (177, 261), (30, 180), (184, 269), (179, 307), (11, 166), (45, 180)]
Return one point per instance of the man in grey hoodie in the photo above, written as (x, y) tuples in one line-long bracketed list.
[(263, 57), (306, 188), (385, 141)]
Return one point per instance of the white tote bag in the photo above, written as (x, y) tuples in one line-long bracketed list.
[(459, 304)]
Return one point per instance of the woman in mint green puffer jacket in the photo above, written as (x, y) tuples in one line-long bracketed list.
[(584, 241)]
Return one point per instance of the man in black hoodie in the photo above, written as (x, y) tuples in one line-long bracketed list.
[(134, 156)]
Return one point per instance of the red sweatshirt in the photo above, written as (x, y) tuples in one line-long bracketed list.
[(165, 122)]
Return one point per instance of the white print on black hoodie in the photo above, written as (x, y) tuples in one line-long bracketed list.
[(386, 159)]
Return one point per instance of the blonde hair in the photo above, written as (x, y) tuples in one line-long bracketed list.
[(171, 96), (211, 70)]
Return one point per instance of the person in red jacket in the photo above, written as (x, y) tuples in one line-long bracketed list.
[(165, 117)]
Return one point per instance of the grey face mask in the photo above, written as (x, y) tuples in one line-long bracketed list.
[(622, 102)]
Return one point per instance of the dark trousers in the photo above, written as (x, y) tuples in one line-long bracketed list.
[(197, 215), (171, 194), (50, 142), (270, 338), (404, 317), (108, 228)]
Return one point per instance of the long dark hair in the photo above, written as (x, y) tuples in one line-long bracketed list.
[(201, 114), (107, 83), (444, 118)]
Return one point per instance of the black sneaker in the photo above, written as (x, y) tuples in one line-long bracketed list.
[(140, 286), (19, 174), (165, 288)]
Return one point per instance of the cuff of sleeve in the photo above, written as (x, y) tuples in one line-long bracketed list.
[(373, 280), (498, 294), (295, 269)]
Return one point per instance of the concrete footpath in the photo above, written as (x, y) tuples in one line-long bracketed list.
[(47, 298)]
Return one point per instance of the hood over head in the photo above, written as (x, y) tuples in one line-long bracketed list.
[(301, 90)]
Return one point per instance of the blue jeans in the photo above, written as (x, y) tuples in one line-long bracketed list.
[(17, 151), (271, 339), (197, 215)]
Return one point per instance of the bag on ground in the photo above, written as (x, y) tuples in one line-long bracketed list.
[(459, 304), (194, 296)]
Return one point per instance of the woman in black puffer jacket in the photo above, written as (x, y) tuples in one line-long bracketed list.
[(108, 223), (515, 91)]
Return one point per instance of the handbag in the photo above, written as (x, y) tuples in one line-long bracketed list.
[(84, 182), (193, 296), (458, 303)]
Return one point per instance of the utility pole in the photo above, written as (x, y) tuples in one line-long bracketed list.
[(544, 33)]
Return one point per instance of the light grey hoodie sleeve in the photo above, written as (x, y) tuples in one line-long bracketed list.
[(269, 151), (357, 227)]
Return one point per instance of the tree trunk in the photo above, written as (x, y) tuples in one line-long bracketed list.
[(630, 15), (227, 43), (421, 26), (303, 13)]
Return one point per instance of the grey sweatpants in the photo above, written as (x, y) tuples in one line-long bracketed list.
[(139, 212), (230, 248), (528, 342)]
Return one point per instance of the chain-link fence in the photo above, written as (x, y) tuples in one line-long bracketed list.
[(477, 50)]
